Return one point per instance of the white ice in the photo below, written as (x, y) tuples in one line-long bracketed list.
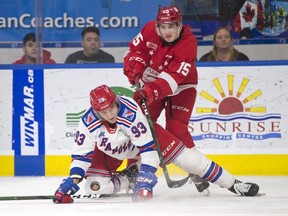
[(175, 202)]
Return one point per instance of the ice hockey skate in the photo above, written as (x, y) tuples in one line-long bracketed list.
[(244, 189), (200, 184)]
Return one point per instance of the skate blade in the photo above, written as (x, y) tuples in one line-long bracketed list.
[(205, 192), (259, 194)]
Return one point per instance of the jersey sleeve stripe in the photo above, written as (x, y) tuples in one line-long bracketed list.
[(147, 147), (84, 158), (124, 122), (172, 83), (146, 150), (171, 156), (128, 103), (149, 144), (94, 126)]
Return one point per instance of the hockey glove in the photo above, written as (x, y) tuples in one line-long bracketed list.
[(149, 93), (146, 180), (131, 173), (134, 69), (67, 188)]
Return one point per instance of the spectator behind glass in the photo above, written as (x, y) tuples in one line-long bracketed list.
[(91, 52), (223, 49), (29, 49)]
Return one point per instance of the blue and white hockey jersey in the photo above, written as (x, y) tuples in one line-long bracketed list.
[(130, 136)]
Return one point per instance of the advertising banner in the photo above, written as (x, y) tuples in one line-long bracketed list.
[(240, 110), (6, 110), (28, 121), (67, 98), (120, 21), (63, 21)]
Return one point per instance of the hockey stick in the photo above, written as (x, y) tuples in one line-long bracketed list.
[(171, 183), (79, 196)]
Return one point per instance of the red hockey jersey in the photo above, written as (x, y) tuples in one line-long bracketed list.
[(174, 63)]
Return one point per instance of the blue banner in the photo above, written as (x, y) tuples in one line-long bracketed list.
[(63, 21), (28, 121), (120, 20)]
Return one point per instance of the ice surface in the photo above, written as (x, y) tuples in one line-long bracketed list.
[(175, 202)]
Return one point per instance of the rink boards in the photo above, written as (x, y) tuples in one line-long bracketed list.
[(239, 119)]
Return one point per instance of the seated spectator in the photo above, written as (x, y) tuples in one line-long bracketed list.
[(91, 52), (29, 49), (223, 49)]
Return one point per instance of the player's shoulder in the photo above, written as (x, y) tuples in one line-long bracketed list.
[(149, 27), (188, 35), (187, 45), (89, 117), (150, 24), (128, 108)]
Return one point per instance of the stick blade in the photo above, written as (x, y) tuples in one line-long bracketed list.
[(179, 183)]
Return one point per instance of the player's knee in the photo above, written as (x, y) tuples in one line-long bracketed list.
[(193, 161)]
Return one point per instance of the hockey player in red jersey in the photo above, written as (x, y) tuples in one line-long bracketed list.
[(163, 56), (162, 59)]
